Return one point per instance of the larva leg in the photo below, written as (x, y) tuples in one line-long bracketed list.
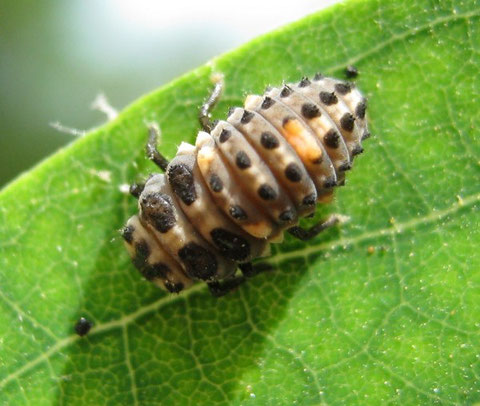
[(204, 113), (248, 269), (151, 147), (307, 234), (218, 289), (136, 189)]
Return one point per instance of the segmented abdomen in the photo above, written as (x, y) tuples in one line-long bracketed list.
[(225, 199)]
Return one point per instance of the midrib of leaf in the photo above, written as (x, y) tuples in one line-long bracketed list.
[(122, 323)]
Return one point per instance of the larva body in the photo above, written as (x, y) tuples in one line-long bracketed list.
[(223, 200)]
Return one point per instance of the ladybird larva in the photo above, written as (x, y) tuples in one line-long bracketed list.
[(221, 202)]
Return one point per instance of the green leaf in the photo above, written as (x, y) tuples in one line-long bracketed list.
[(385, 309)]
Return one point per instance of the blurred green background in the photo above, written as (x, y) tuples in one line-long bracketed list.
[(57, 56)]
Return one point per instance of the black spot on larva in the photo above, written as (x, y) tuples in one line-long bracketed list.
[(155, 271), (347, 121), (287, 215), (357, 150), (127, 233), (310, 110), (246, 117), (216, 183), (304, 82), (224, 135), (343, 88), (269, 141), (330, 182), (332, 139), (237, 212), (242, 160), (286, 91), (83, 326), (230, 245), (293, 172), (366, 135), (199, 262), (181, 180), (173, 287), (318, 76), (267, 103), (157, 209), (328, 98), (142, 252), (360, 109), (266, 192), (346, 166), (309, 200), (351, 71)]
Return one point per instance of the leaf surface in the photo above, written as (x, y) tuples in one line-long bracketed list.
[(384, 309)]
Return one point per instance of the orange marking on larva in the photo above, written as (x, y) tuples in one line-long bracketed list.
[(204, 158), (259, 230), (298, 137)]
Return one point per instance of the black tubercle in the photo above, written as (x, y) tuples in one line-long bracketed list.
[(329, 183), (246, 117), (304, 82), (287, 216), (293, 172), (286, 91), (361, 109), (357, 150), (310, 110), (136, 189), (310, 200), (332, 139), (142, 252), (318, 76), (181, 180), (224, 135), (230, 245), (157, 210), (155, 271), (237, 212), (127, 233), (343, 88), (242, 160), (199, 262), (216, 183), (347, 121), (328, 98), (266, 192), (269, 141), (267, 103), (346, 166)]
